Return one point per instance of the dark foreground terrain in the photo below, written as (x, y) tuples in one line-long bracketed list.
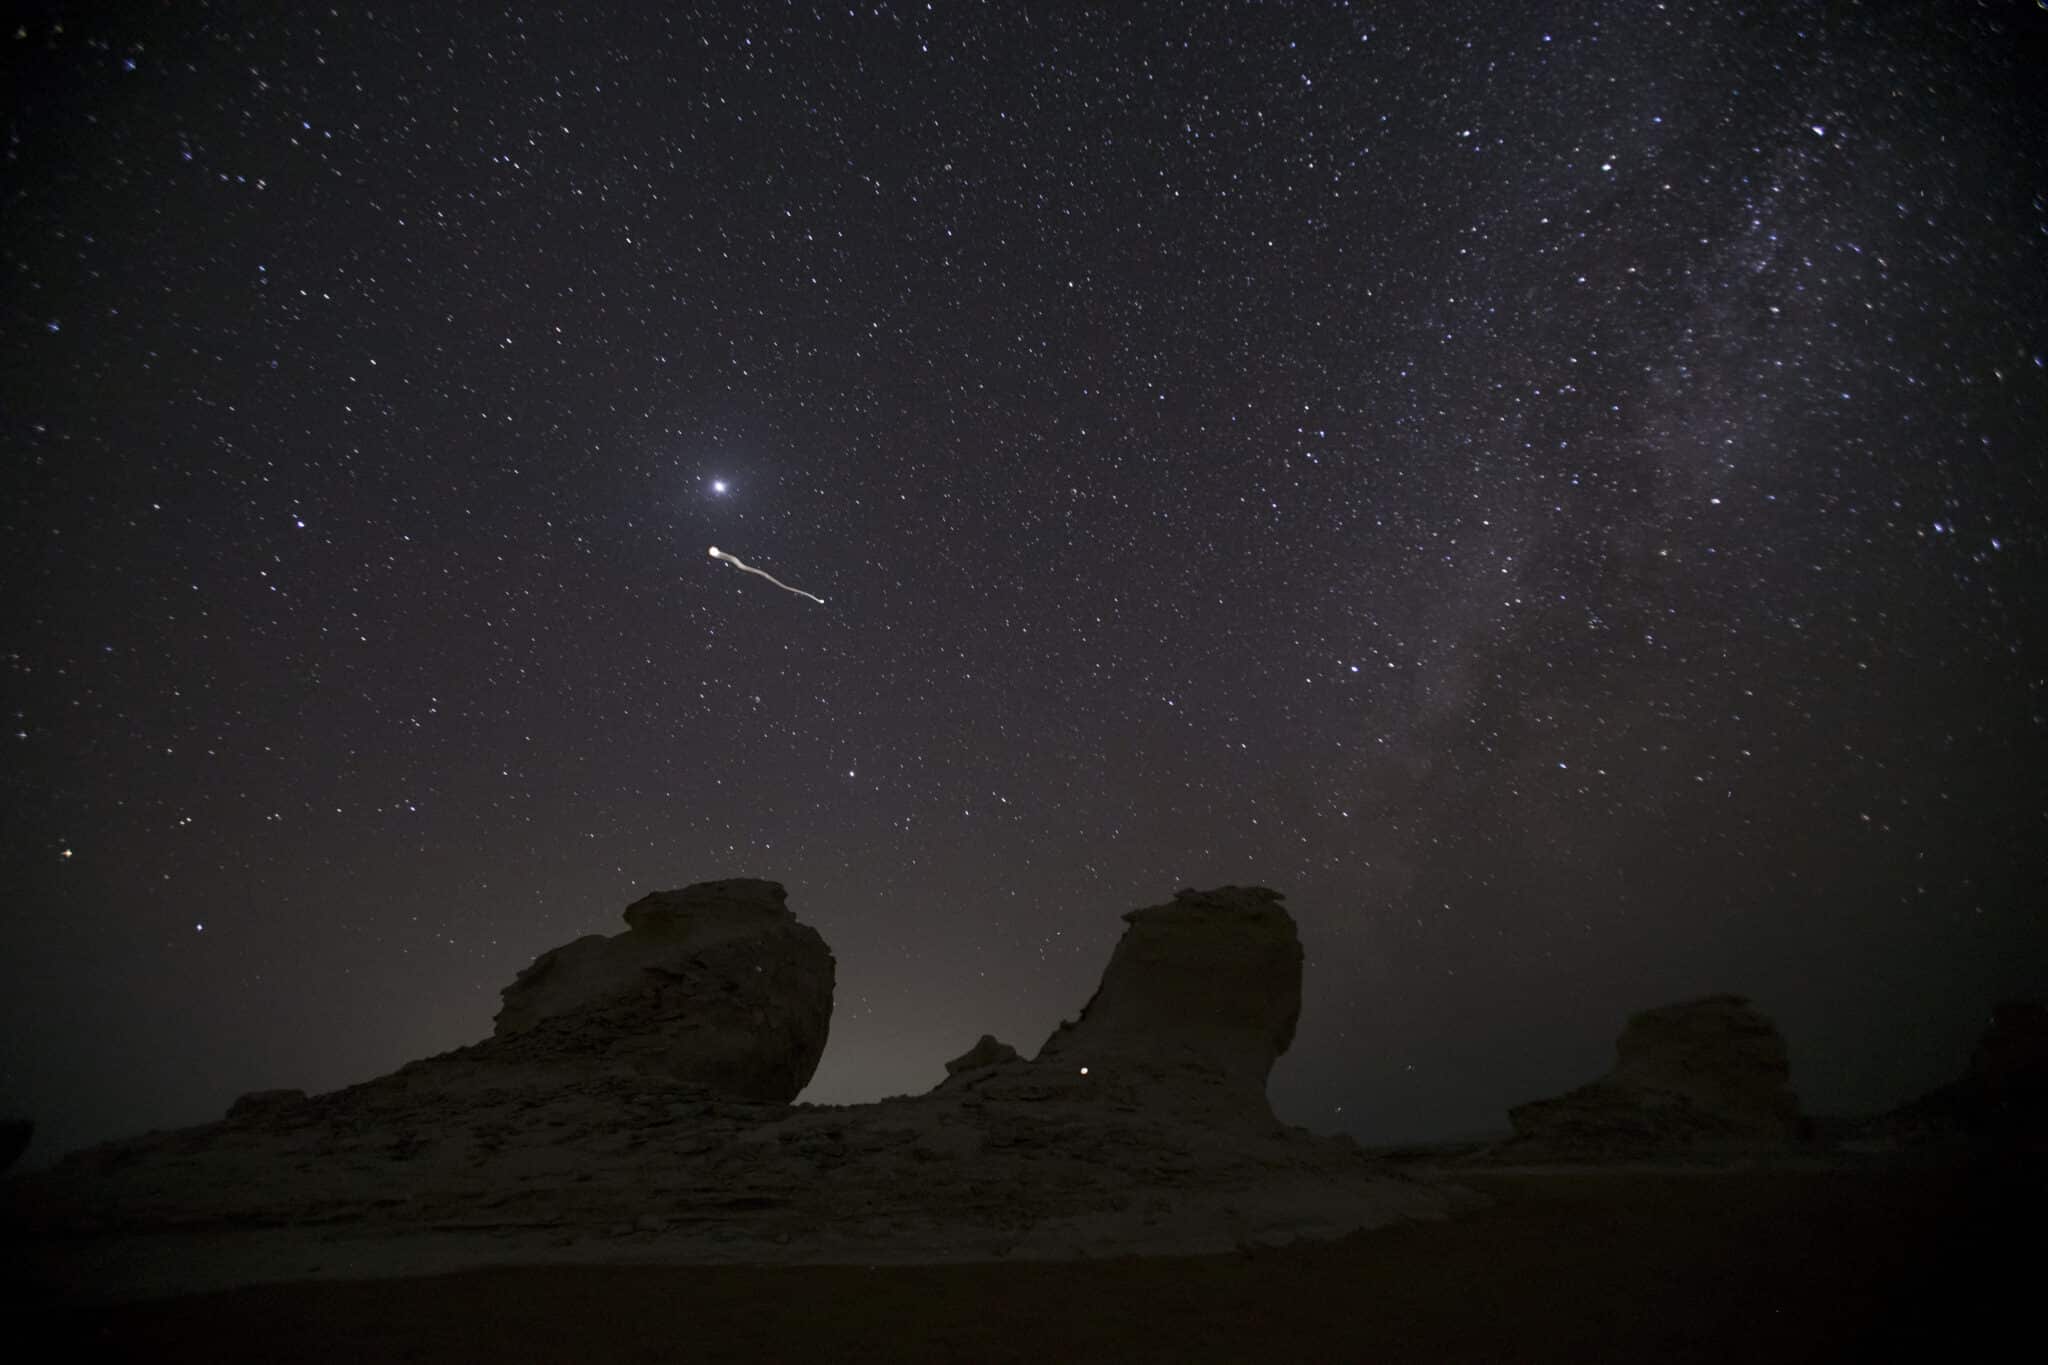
[(1751, 1266)]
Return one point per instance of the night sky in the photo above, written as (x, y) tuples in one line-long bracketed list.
[(1558, 491)]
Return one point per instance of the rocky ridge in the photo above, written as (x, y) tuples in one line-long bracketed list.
[(1140, 1127)]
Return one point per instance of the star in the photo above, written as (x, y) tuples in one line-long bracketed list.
[(718, 486)]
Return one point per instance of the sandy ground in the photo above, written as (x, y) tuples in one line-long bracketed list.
[(1645, 1266)]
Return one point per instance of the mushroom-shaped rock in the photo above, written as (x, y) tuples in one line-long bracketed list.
[(1200, 998), (716, 985), (1702, 1074)]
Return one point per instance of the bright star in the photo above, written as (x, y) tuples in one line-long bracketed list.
[(718, 485)]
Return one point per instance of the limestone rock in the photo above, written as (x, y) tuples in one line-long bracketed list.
[(1201, 997), (2001, 1098), (2013, 1053), (717, 985), (552, 1142), (1693, 1078), (258, 1103), (15, 1135), (987, 1052)]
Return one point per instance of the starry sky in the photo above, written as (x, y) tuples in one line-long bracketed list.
[(1558, 491)]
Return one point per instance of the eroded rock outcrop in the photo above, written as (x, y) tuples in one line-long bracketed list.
[(987, 1052), (15, 1135), (1699, 1077), (1141, 1127), (257, 1103), (716, 985), (1201, 997), (2001, 1098)]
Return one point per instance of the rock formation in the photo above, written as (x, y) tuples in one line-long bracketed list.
[(2013, 1053), (606, 1120), (985, 1053), (1201, 997), (715, 985), (2001, 1098), (1695, 1078), (257, 1103), (15, 1135)]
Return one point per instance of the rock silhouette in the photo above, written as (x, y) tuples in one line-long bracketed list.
[(15, 1135), (1141, 1127), (716, 985), (985, 1053), (1201, 997), (2001, 1098), (1697, 1077)]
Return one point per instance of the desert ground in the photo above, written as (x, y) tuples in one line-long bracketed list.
[(1637, 1264)]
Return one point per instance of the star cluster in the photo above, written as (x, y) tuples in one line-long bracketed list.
[(1557, 493)]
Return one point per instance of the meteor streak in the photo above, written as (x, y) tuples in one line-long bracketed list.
[(734, 560)]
